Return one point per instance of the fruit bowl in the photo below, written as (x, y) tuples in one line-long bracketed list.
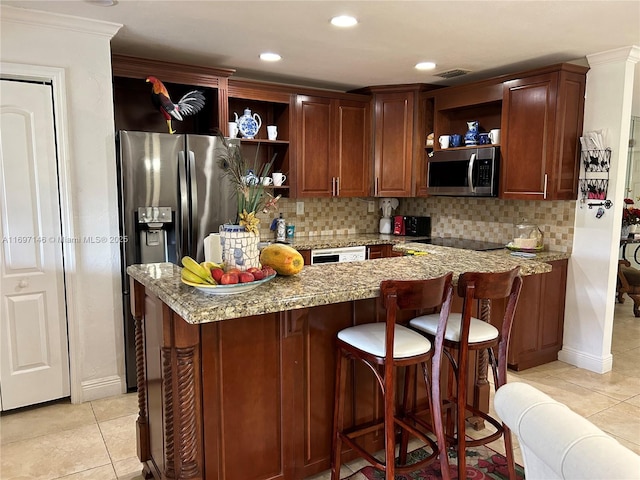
[(228, 289)]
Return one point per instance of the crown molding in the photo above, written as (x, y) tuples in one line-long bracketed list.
[(64, 22), (624, 54)]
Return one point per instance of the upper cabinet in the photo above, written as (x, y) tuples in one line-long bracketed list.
[(540, 115), (373, 141), (541, 125), (393, 151), (398, 136), (332, 146), (134, 110), (273, 104)]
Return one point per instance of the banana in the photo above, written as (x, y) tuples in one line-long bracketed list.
[(191, 277), (193, 266), (210, 265)]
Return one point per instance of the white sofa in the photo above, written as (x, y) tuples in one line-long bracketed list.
[(557, 443)]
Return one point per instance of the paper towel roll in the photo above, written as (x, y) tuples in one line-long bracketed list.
[(212, 248)]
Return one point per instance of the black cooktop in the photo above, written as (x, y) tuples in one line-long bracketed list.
[(462, 243)]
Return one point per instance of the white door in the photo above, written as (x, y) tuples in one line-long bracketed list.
[(34, 360)]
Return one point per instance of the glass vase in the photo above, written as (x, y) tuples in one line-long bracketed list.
[(239, 247)]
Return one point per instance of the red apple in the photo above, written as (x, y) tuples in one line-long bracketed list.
[(246, 277), (258, 274), (217, 273), (233, 270), (229, 279), (253, 269), (268, 271)]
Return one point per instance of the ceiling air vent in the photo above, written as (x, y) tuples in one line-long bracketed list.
[(456, 72)]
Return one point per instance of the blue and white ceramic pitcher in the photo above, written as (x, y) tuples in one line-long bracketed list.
[(471, 137), (248, 124)]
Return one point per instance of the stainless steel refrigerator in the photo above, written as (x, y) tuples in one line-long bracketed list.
[(172, 194)]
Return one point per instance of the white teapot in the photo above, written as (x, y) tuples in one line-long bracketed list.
[(248, 124)]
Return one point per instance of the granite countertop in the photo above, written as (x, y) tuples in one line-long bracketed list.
[(544, 256), (320, 284)]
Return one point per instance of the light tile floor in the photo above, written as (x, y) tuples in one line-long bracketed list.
[(96, 440)]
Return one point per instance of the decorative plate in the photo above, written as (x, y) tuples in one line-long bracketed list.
[(229, 289), (513, 248)]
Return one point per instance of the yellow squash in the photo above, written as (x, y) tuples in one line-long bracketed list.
[(282, 258)]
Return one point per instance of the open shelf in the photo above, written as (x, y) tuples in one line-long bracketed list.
[(263, 141)]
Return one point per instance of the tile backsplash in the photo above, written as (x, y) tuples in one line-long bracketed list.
[(324, 216), (493, 219), (489, 219)]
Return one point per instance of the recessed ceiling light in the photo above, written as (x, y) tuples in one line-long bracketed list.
[(270, 57), (425, 66), (344, 21), (102, 3)]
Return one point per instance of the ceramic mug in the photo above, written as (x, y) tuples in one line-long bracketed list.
[(278, 179), (483, 139), (233, 129), (456, 140), (444, 141), (494, 135), (266, 181), (272, 132)]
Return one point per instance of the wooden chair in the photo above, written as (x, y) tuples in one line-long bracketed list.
[(384, 347), (464, 334), (629, 283)]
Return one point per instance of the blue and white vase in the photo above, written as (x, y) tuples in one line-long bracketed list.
[(239, 247), (471, 137)]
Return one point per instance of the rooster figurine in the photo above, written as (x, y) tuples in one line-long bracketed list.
[(190, 104)]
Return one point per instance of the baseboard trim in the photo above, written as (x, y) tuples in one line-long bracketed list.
[(584, 360), (103, 388)]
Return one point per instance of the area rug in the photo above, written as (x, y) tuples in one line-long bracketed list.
[(482, 464)]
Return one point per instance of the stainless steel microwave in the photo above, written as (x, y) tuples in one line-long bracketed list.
[(465, 172)]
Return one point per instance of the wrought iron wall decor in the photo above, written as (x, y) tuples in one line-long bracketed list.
[(595, 182)]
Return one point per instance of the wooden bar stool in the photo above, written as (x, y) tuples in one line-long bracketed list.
[(465, 333), (383, 347)]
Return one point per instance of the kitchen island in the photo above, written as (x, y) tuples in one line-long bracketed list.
[(241, 387)]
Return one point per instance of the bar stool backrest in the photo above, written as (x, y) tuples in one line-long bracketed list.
[(435, 293), (488, 285), (416, 294)]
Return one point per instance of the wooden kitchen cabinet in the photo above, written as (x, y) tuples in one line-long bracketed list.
[(333, 141), (306, 256), (394, 143), (377, 251), (541, 123), (274, 105), (536, 334), (540, 115), (403, 117), (133, 109)]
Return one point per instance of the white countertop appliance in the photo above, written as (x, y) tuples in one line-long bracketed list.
[(339, 254)]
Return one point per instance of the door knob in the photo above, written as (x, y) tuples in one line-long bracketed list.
[(23, 284)]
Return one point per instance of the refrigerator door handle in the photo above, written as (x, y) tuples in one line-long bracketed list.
[(122, 223), (182, 233), (195, 234)]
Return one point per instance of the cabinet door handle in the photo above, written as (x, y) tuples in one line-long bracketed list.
[(337, 186), (333, 186), (544, 193)]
